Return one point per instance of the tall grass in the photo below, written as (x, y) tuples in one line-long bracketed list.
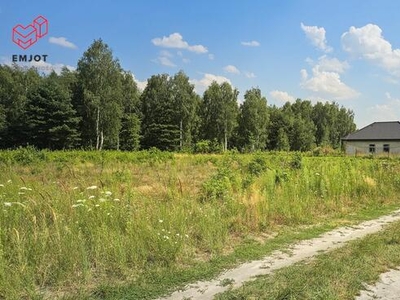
[(74, 220)]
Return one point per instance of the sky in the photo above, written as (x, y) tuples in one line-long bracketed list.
[(347, 51)]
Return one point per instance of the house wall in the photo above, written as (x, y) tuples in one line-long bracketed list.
[(362, 147)]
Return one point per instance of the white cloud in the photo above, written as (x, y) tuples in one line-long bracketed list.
[(282, 96), (202, 84), (251, 44), (368, 43), (304, 74), (391, 80), (165, 61), (140, 84), (62, 41), (317, 37), (231, 69), (388, 111), (211, 56), (175, 40), (327, 84), (166, 53), (249, 74), (325, 80), (331, 64)]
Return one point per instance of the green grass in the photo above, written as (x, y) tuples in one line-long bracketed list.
[(110, 224), (339, 274)]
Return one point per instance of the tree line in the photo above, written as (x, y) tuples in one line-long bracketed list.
[(99, 106)]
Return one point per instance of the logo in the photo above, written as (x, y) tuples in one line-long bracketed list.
[(26, 36)]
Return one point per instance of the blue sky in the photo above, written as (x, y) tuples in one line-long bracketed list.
[(343, 51)]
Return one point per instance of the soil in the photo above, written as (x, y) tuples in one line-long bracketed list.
[(387, 288)]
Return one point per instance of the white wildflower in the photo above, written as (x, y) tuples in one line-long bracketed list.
[(93, 187), (77, 205), (108, 193), (116, 200), (23, 188), (7, 203), (21, 193), (81, 201), (160, 221), (9, 181), (75, 188), (91, 197), (102, 200), (97, 205), (1, 185)]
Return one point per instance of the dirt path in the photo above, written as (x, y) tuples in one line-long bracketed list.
[(388, 287), (279, 259)]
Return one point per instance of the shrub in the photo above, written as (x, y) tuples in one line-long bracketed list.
[(296, 162), (257, 165)]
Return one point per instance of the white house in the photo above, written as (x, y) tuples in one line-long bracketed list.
[(376, 138)]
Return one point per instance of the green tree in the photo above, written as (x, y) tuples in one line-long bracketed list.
[(301, 131), (160, 127), (186, 103), (253, 120), (279, 127), (219, 112), (130, 122), (282, 140), (51, 120), (16, 84), (332, 123), (321, 119), (302, 136), (2, 118), (99, 76)]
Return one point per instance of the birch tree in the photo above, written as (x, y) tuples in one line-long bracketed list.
[(219, 111), (100, 77)]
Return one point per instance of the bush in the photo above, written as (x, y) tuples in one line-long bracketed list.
[(218, 187), (28, 155), (257, 165), (202, 146), (296, 162)]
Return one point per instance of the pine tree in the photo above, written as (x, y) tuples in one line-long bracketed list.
[(52, 122)]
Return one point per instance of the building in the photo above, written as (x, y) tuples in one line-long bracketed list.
[(376, 138)]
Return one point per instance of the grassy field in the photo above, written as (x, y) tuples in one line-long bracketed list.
[(98, 224)]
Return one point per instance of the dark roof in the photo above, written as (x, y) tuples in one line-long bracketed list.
[(376, 131)]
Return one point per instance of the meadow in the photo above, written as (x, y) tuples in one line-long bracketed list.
[(75, 222)]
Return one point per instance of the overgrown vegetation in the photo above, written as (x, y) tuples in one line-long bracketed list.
[(78, 221)]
